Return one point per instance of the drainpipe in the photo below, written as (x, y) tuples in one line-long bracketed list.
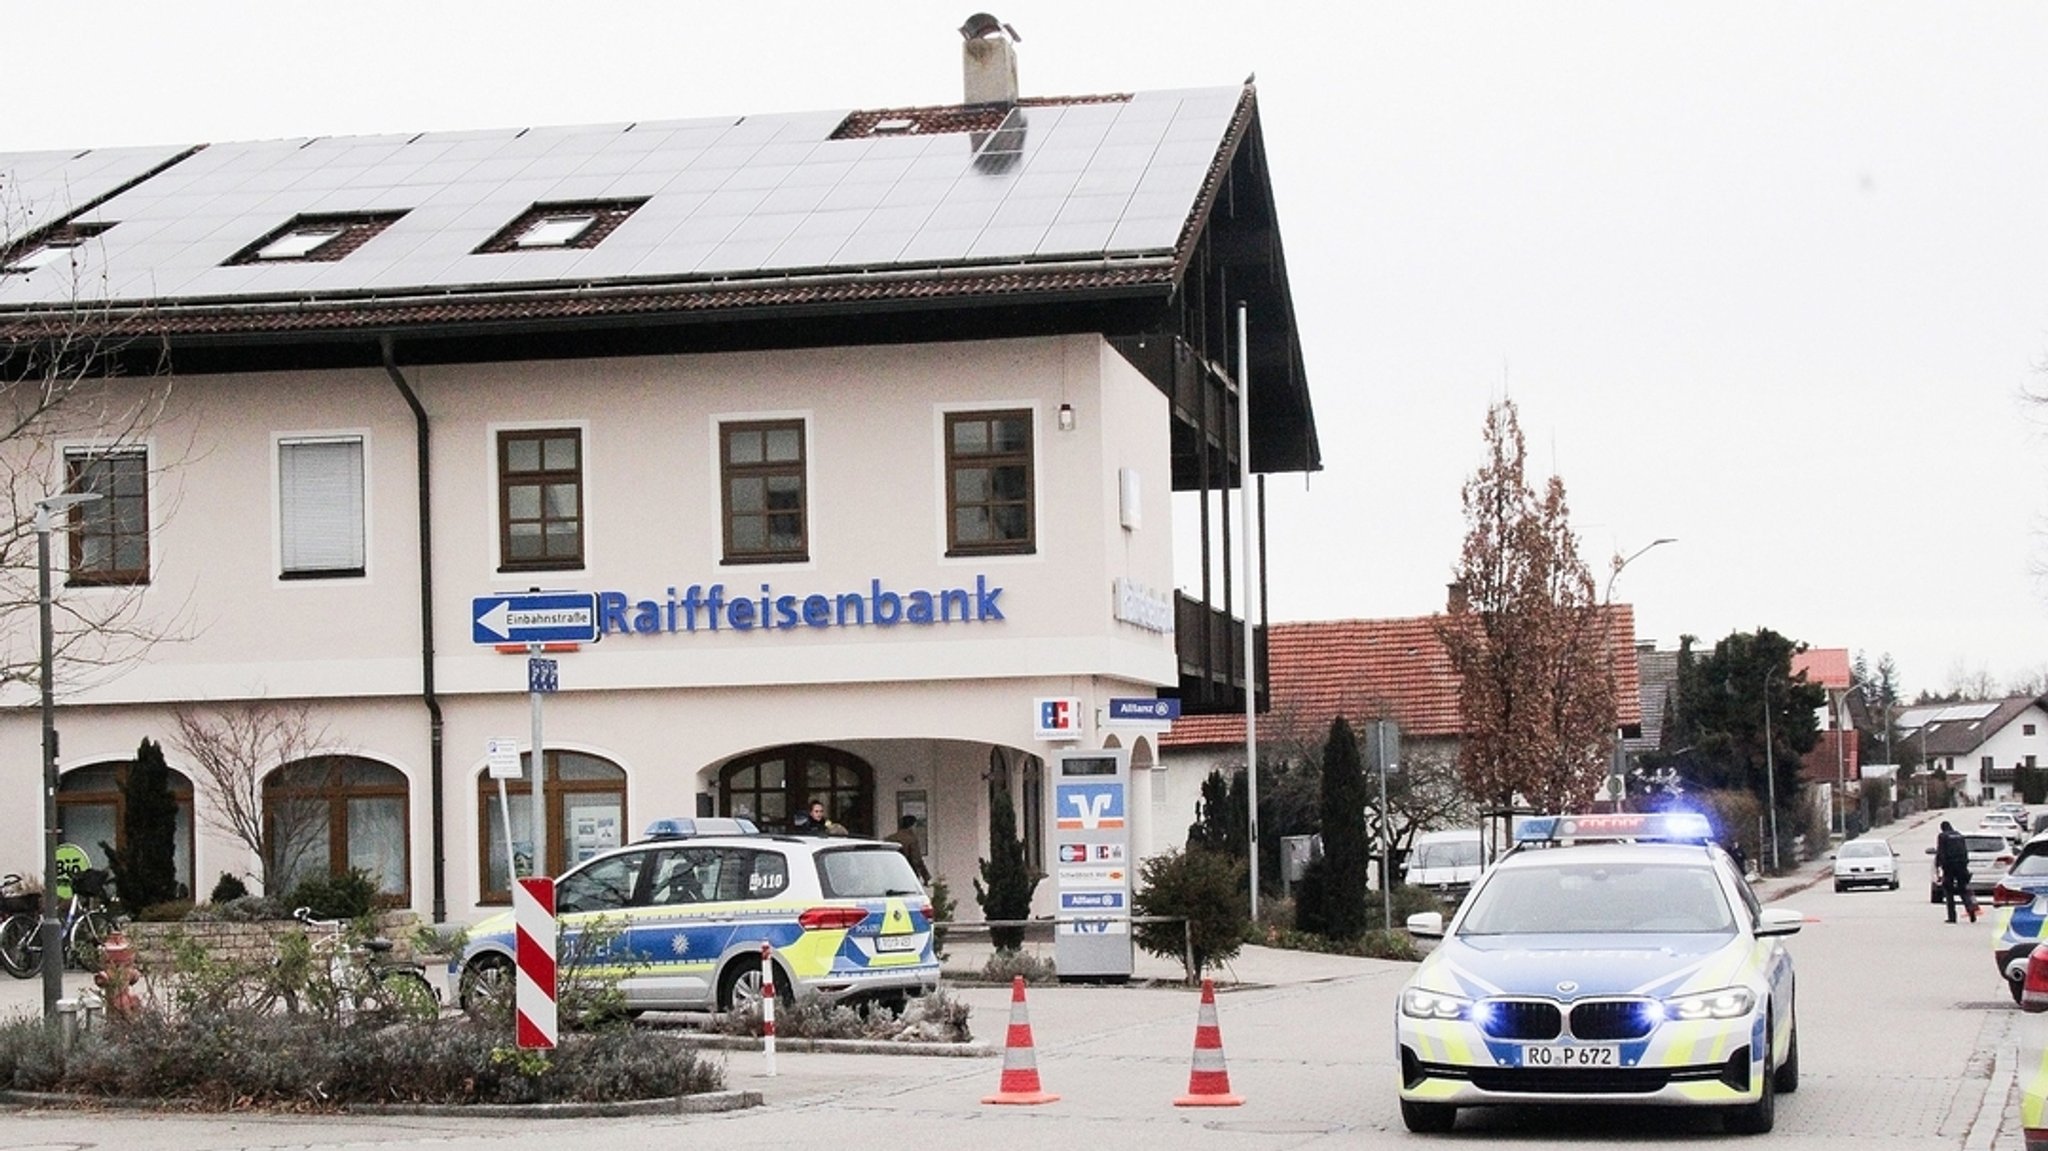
[(433, 701)]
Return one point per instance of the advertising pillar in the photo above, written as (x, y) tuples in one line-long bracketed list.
[(1092, 850)]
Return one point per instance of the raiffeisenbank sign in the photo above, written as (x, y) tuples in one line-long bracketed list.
[(716, 608)]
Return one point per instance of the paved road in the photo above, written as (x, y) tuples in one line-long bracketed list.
[(1905, 1038)]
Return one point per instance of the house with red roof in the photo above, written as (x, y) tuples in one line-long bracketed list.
[(1363, 670), (1835, 761), (1980, 744)]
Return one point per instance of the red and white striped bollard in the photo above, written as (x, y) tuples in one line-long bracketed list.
[(768, 1007), (533, 998)]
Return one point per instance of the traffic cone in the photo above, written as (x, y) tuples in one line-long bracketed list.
[(1020, 1065), (1208, 1079)]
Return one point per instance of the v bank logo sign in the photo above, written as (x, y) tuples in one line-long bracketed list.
[(1088, 806)]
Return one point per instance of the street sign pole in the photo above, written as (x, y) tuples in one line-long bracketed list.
[(509, 621), (538, 767)]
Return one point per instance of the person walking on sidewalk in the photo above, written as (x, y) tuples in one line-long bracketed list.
[(1952, 863), (905, 837)]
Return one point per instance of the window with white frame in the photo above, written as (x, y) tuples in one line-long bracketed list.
[(320, 507)]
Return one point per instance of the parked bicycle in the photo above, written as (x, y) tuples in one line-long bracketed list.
[(84, 929), (364, 982), (21, 917)]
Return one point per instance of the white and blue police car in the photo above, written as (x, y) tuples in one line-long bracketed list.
[(681, 916), (1607, 959)]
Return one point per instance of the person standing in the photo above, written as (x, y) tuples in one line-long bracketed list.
[(905, 837), (1952, 864), (816, 822)]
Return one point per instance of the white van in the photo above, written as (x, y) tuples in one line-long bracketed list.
[(1446, 862)]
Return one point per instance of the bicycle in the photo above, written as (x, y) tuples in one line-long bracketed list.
[(21, 917), (363, 982), (84, 929)]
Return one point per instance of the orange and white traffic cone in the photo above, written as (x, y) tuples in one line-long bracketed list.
[(1020, 1064), (1208, 1079)]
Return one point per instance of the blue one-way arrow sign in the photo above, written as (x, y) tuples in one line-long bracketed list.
[(539, 617)]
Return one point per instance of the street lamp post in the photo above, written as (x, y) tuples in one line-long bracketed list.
[(53, 943), (1771, 769), (1619, 785)]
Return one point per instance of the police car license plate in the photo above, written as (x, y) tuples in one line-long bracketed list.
[(895, 943), (1570, 1055)]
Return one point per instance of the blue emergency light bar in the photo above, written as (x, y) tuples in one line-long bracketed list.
[(1666, 826), (706, 825)]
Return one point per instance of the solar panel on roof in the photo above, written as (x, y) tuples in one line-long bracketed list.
[(721, 195)]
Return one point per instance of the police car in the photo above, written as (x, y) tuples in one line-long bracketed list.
[(1606, 959), (682, 916), (2019, 912)]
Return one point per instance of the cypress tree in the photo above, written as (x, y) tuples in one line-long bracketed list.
[(1347, 848), (145, 868), (1009, 883)]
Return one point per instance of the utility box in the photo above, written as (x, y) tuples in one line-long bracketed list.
[(1092, 849)]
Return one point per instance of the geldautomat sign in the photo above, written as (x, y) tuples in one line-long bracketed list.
[(718, 608)]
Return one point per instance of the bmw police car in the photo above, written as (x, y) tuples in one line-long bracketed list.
[(1607, 959), (685, 914)]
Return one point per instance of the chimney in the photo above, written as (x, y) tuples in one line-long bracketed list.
[(988, 60), (1457, 600)]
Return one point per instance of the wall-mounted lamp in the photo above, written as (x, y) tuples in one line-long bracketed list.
[(1066, 417)]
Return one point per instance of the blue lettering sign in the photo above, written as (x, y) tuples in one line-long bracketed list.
[(1091, 901), (710, 608)]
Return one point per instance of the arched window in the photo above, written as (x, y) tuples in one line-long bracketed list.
[(335, 812), (770, 787), (92, 812), (586, 801)]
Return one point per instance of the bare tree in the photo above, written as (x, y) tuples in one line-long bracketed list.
[(1973, 683), (78, 378), (1426, 795), (236, 748), (1527, 639)]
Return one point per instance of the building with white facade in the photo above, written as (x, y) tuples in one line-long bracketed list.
[(864, 427), (1979, 745)]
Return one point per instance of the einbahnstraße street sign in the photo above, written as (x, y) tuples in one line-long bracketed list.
[(534, 617)]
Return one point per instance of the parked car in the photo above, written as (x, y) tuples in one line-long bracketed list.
[(2032, 993), (1990, 854), (687, 915), (2014, 808), (1445, 862), (1867, 862), (2019, 911), (2004, 824)]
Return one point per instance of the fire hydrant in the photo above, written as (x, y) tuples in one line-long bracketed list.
[(117, 977)]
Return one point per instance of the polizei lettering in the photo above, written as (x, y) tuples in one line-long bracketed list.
[(715, 608)]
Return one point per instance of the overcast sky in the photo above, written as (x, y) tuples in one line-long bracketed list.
[(1770, 279)]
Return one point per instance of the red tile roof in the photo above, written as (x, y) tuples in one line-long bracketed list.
[(1820, 764), (1358, 667), (1826, 666)]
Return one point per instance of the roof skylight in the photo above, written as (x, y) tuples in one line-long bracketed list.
[(580, 224), (45, 254), (311, 239), (555, 231), (58, 246), (297, 244)]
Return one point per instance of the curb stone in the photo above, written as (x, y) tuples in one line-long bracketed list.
[(841, 1046), (709, 1102)]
